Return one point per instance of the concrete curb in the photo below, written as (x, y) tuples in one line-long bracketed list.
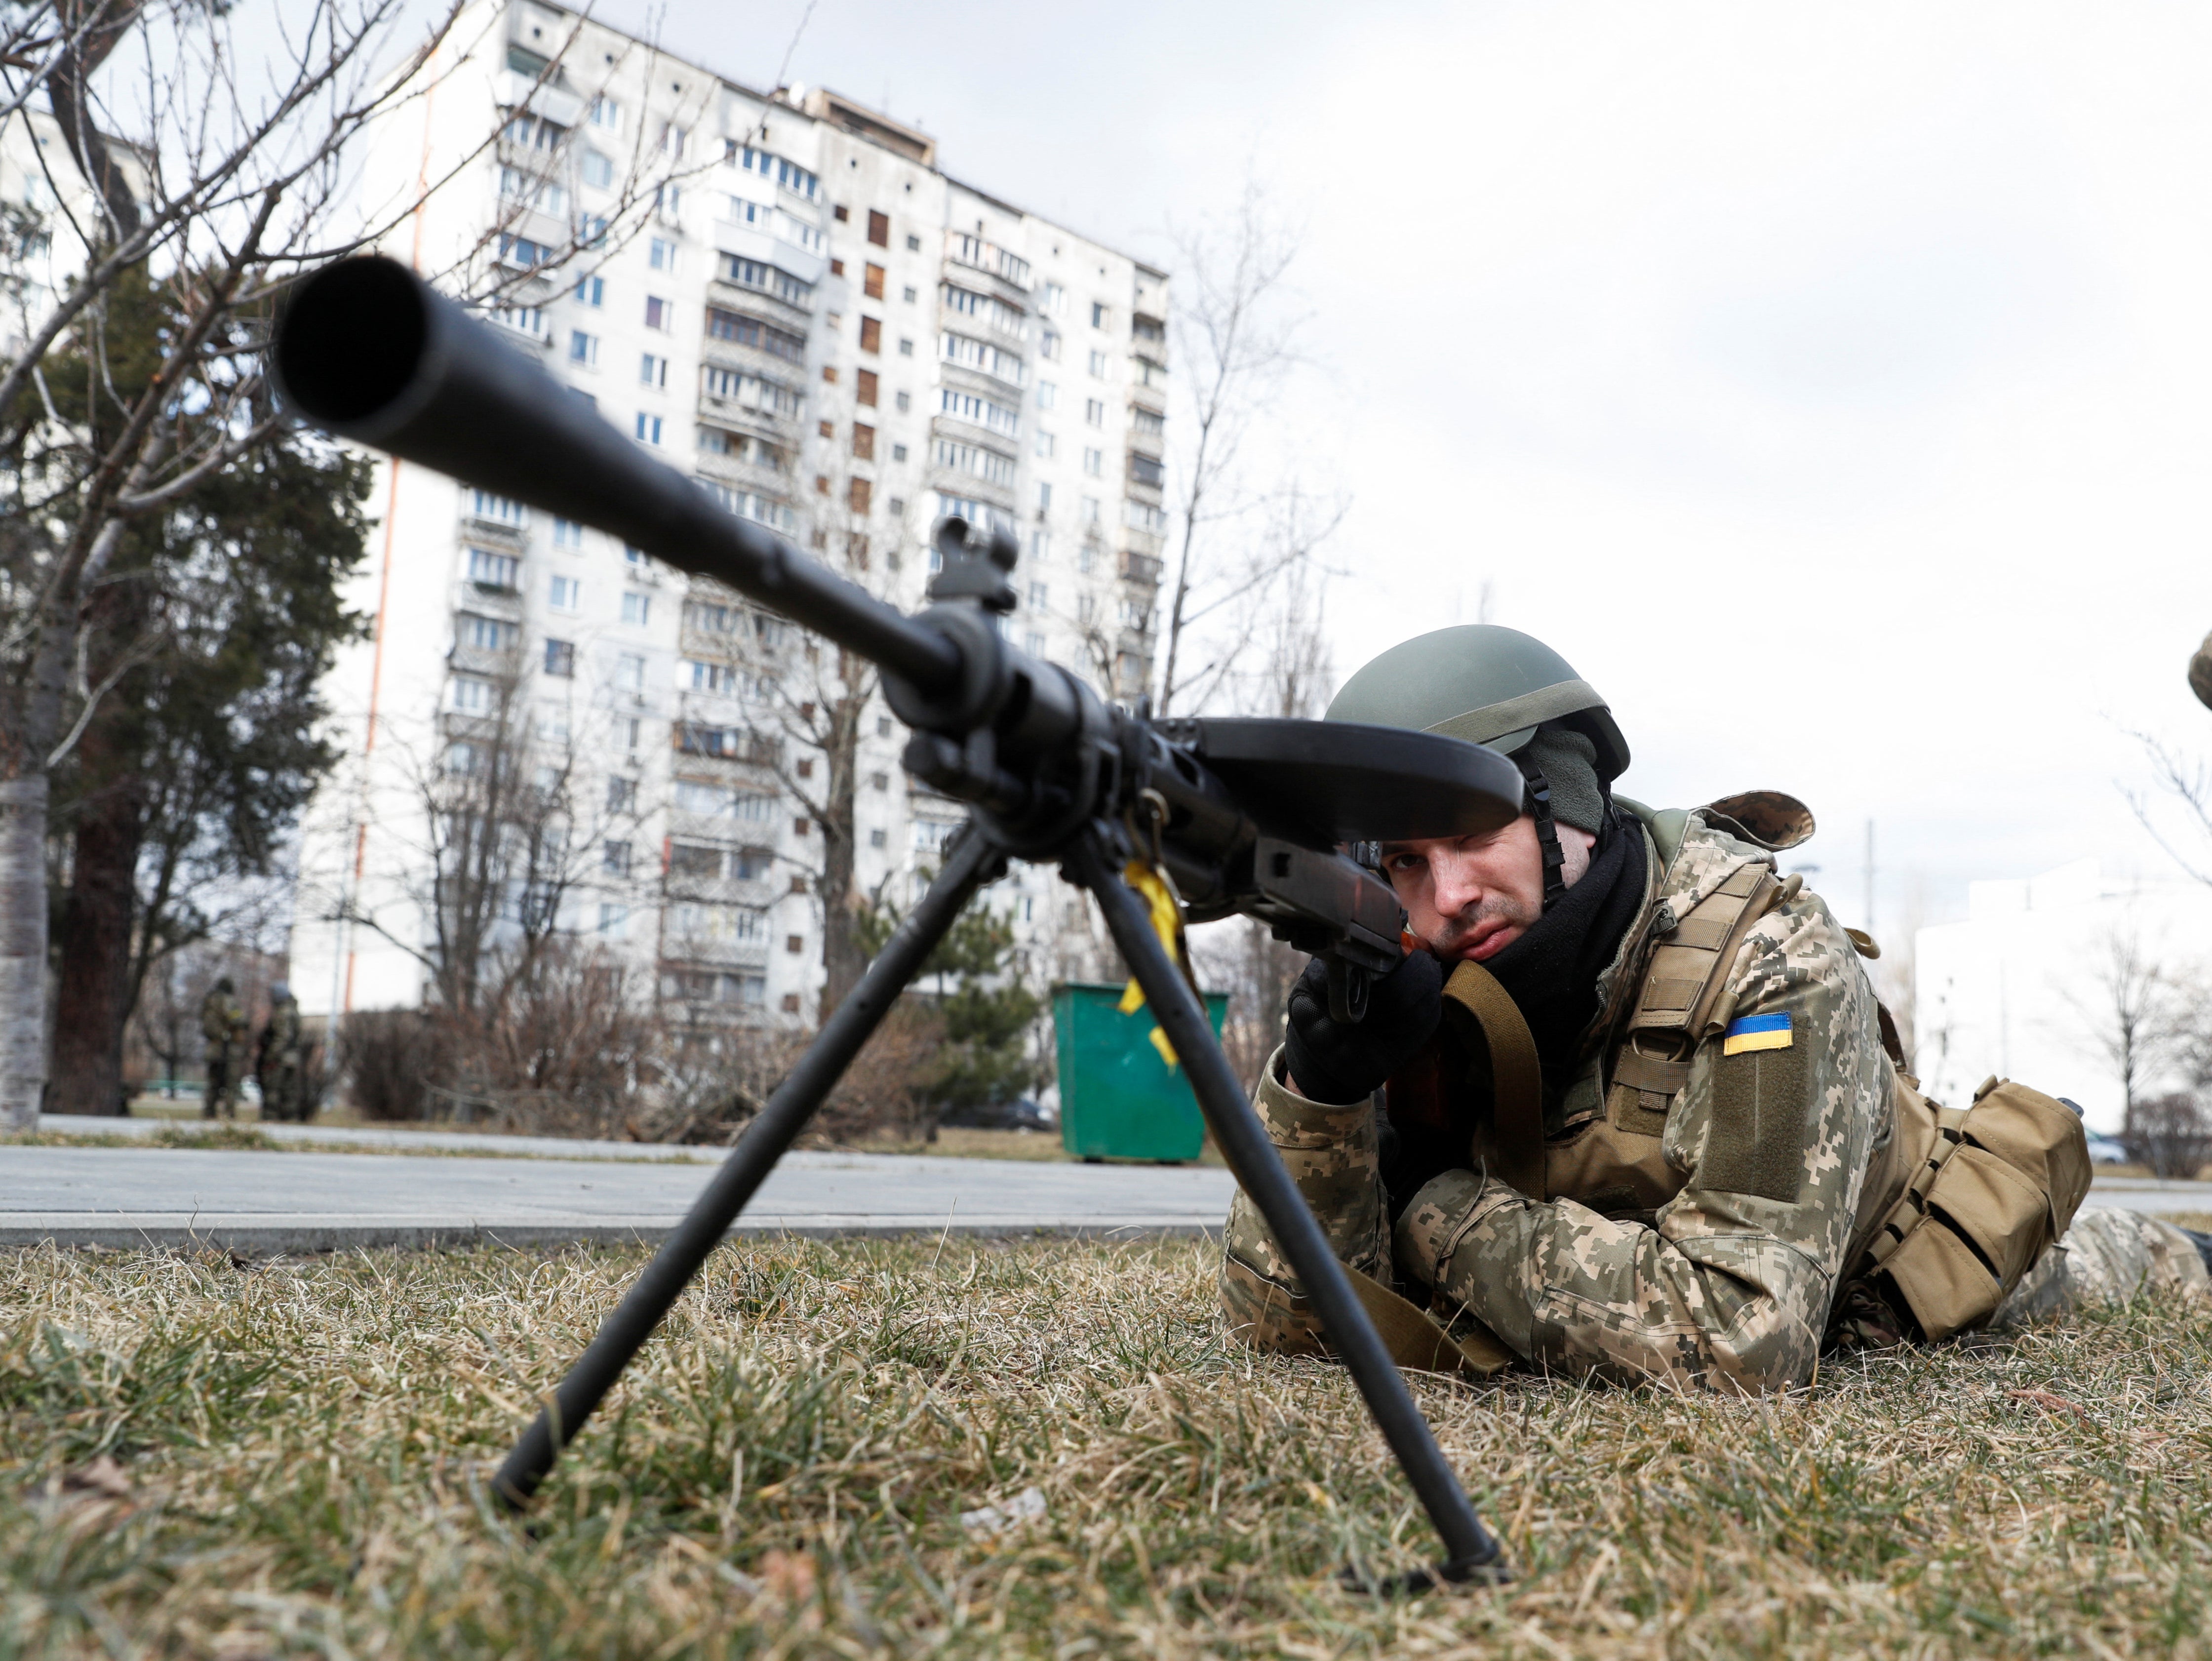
[(258, 1238)]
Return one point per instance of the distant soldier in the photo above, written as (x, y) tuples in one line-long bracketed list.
[(222, 1024), (279, 1062)]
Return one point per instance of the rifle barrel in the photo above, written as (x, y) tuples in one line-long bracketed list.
[(369, 350)]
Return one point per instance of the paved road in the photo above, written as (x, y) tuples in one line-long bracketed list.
[(261, 1202)]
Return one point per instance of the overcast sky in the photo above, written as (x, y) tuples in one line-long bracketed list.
[(1830, 384)]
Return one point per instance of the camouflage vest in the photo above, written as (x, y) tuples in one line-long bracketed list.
[(1956, 1204)]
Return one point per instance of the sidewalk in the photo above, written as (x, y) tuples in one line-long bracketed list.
[(257, 1203)]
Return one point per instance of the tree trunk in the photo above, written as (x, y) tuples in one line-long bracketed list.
[(23, 950), (843, 963), (93, 999)]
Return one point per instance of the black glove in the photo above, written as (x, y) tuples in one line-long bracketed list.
[(1346, 1063)]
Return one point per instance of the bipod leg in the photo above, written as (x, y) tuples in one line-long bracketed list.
[(1470, 1552), (971, 860)]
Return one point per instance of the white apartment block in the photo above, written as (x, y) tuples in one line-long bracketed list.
[(797, 307)]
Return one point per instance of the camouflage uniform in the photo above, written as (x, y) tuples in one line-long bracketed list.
[(1703, 1248), (222, 1024), (280, 1068)]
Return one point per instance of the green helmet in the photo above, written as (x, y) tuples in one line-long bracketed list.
[(1482, 681)]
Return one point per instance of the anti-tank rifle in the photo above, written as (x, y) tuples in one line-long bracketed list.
[(1245, 816)]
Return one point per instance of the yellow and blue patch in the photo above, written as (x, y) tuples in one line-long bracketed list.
[(1756, 1032)]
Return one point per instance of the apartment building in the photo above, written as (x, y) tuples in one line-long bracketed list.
[(783, 295)]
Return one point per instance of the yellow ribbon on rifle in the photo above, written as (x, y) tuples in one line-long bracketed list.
[(1166, 915)]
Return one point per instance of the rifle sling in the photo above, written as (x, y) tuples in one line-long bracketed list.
[(1415, 1340), (1516, 1075)]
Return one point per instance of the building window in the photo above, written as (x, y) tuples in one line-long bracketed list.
[(872, 282), (795, 944), (904, 402), (606, 113), (880, 229), (471, 697), (1146, 471), (567, 593), (877, 839), (1036, 596), (629, 676), (673, 140), (488, 570), (864, 441), (648, 429), (1048, 394), (560, 658), (1091, 510), (487, 634), (898, 453), (1097, 314), (637, 609), (1094, 411), (1044, 443), (614, 859), (1033, 643), (909, 295), (906, 348), (872, 334), (1151, 423), (1044, 497), (1040, 543), (657, 313), (599, 170), (914, 245), (567, 534), (661, 256), (865, 391), (1051, 299), (591, 291), (1048, 346), (1086, 561), (653, 371), (1098, 366), (583, 349), (858, 495), (614, 919), (1094, 463)]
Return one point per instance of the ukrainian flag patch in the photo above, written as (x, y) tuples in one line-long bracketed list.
[(1756, 1032)]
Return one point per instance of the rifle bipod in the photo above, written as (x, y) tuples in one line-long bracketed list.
[(972, 861)]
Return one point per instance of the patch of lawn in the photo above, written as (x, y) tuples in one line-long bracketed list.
[(199, 1460)]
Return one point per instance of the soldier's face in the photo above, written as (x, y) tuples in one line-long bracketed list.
[(1472, 896)]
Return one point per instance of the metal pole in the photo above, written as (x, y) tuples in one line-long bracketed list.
[(971, 860), (1259, 1170)]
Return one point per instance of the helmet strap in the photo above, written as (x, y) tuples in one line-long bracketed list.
[(1548, 832)]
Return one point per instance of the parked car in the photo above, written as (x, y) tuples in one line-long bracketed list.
[(2106, 1150)]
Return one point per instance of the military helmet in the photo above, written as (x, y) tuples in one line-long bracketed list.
[(1479, 681), (224, 984)]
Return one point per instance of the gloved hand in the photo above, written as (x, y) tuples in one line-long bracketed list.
[(1340, 1063)]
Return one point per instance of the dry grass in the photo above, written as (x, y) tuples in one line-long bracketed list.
[(195, 1460)]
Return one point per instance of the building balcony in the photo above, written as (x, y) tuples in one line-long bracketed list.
[(1007, 274), (1152, 400), (706, 951), (488, 599), (501, 533), (954, 482), (498, 663), (746, 475), (721, 290), (1140, 569)]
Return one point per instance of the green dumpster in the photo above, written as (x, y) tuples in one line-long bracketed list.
[(1119, 1100)]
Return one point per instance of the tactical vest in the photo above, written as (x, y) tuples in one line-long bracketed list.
[(1957, 1204)]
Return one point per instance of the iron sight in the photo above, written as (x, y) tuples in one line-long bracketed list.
[(1246, 816)]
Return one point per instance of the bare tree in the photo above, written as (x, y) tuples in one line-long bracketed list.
[(2126, 1021), (218, 194), (1233, 347), (1257, 969)]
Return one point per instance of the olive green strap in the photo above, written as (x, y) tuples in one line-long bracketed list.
[(1517, 1076), (1415, 1340)]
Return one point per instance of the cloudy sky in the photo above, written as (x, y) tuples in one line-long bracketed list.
[(1832, 385)]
